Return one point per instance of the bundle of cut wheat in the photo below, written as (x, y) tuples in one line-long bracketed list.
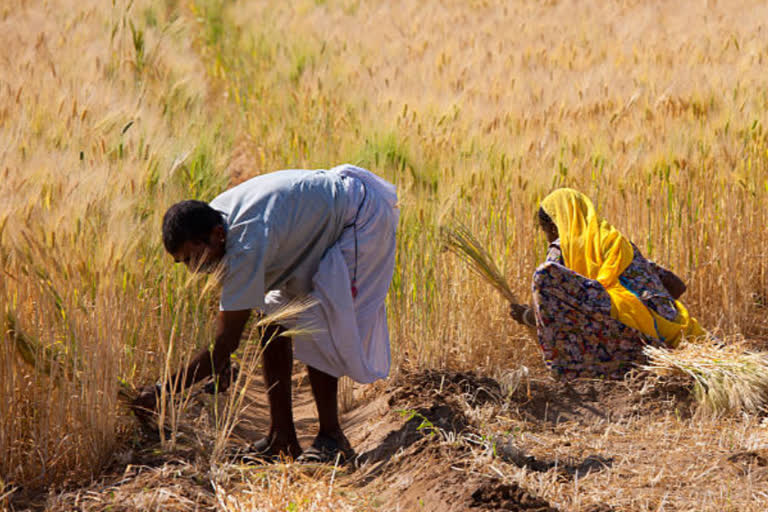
[(726, 376), (458, 239)]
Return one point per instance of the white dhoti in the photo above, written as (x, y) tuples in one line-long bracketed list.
[(346, 335)]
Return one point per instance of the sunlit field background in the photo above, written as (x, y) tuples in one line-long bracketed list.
[(110, 112)]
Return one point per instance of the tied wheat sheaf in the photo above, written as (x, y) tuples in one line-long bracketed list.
[(458, 239)]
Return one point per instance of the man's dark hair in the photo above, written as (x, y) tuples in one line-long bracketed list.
[(189, 221)]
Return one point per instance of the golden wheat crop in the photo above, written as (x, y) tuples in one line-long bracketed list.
[(103, 123), (476, 109)]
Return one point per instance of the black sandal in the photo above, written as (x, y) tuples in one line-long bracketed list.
[(261, 452), (326, 450)]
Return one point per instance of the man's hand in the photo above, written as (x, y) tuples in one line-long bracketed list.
[(522, 314), (144, 406), (221, 382), (207, 363)]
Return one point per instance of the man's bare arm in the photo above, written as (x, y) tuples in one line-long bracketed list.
[(229, 329)]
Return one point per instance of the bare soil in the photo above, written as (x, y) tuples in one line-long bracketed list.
[(421, 441)]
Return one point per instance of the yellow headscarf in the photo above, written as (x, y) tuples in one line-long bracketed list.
[(595, 249)]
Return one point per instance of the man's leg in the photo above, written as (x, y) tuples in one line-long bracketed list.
[(325, 390), (277, 365)]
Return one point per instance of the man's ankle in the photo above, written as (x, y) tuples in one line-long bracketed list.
[(336, 434), (282, 435)]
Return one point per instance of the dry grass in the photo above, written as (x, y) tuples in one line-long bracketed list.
[(657, 463), (180, 486)]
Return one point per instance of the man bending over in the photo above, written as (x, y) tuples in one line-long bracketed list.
[(326, 234)]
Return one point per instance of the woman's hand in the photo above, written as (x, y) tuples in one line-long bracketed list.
[(522, 314)]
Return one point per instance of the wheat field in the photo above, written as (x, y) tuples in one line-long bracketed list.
[(475, 109)]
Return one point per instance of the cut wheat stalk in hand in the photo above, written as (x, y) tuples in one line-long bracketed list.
[(458, 239), (726, 377)]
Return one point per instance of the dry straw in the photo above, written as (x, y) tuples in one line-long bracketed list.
[(458, 239), (726, 378)]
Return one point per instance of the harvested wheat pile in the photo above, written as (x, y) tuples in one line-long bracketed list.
[(727, 377)]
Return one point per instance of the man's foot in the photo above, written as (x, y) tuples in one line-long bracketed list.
[(269, 450), (327, 449)]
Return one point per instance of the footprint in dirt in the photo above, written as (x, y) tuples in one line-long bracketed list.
[(498, 496), (749, 461)]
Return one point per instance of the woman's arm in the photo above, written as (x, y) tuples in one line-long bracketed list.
[(522, 313)]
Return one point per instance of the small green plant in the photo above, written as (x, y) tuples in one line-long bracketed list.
[(425, 425), (211, 14)]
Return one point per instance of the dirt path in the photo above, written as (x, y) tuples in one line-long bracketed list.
[(450, 441), (254, 421), (408, 437), (406, 444)]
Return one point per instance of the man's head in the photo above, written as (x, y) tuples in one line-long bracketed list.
[(194, 234)]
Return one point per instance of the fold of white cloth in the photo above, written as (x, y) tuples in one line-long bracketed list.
[(345, 334)]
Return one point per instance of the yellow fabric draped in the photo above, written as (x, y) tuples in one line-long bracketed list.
[(595, 249)]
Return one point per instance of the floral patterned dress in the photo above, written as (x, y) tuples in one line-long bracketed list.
[(577, 334)]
